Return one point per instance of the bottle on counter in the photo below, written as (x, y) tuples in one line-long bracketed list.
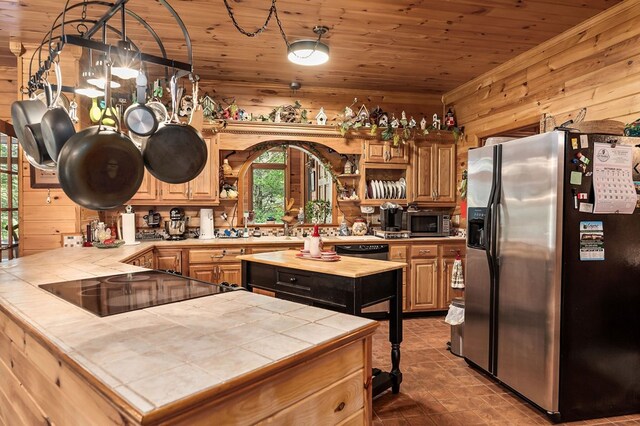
[(307, 241), (315, 246)]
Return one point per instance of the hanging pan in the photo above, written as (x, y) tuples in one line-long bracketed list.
[(57, 126), (26, 117), (175, 153), (139, 118), (99, 167)]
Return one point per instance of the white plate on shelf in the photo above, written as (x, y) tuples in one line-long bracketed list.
[(388, 188), (376, 189), (385, 190), (394, 190), (372, 185)]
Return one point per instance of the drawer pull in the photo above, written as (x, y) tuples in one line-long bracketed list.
[(424, 251), (340, 407), (217, 256), (293, 279)]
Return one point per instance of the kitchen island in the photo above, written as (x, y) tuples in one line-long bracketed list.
[(235, 357), (347, 285)]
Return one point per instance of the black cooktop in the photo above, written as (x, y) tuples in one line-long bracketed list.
[(116, 294)]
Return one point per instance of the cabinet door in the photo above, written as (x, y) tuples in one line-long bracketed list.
[(230, 272), (444, 162), (148, 189), (205, 186), (423, 190), (203, 273), (169, 259), (424, 285), (447, 292), (174, 191), (385, 152)]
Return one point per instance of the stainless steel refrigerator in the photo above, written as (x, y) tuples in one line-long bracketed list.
[(556, 326)]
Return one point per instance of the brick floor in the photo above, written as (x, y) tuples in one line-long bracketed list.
[(440, 389)]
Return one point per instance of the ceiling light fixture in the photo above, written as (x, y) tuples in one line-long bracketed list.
[(301, 52), (97, 78), (123, 64), (310, 52)]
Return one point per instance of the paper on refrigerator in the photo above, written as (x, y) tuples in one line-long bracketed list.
[(612, 179)]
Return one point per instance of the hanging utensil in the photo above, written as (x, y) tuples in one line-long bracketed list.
[(100, 168), (197, 113), (56, 125), (139, 118), (175, 153)]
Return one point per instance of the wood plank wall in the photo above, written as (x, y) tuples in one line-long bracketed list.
[(594, 65), (8, 88)]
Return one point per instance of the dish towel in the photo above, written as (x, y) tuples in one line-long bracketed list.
[(457, 280)]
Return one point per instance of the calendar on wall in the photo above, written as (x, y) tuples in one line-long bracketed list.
[(613, 185)]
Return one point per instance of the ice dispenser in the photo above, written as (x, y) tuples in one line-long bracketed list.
[(475, 227)]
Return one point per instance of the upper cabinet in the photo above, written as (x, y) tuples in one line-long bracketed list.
[(433, 170), (385, 152), (202, 189)]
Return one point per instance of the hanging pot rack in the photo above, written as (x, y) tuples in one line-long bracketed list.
[(56, 44)]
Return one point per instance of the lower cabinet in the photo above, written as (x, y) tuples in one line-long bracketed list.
[(146, 260), (229, 272), (169, 259), (449, 293), (216, 265), (424, 285)]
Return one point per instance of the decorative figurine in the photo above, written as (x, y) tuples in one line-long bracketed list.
[(436, 122), (348, 167), (277, 118), (321, 117), (412, 123), (449, 120), (208, 106), (348, 113), (394, 122), (375, 114), (186, 106), (423, 124)]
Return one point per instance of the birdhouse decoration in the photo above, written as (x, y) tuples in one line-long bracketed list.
[(208, 106), (321, 117), (423, 124), (374, 115), (363, 115), (436, 122), (449, 120), (395, 123), (383, 120)]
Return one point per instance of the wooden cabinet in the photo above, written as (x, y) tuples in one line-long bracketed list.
[(385, 152), (429, 279), (145, 260), (433, 171), (169, 259), (216, 264), (204, 188)]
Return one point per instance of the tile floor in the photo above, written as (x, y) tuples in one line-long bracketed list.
[(440, 389)]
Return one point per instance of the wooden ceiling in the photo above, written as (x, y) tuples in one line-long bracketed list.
[(422, 46)]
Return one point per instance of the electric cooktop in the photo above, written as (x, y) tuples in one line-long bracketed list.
[(116, 294)]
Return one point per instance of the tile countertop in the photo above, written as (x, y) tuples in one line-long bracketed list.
[(159, 355)]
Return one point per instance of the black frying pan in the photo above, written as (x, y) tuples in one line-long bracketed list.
[(139, 118), (175, 153), (100, 168), (57, 126), (34, 148)]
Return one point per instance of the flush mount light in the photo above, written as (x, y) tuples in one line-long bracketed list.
[(310, 52)]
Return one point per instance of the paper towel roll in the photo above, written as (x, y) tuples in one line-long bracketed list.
[(129, 229)]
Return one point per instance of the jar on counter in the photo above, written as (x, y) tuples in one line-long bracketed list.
[(359, 227)]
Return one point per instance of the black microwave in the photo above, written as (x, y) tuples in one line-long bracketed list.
[(427, 223)]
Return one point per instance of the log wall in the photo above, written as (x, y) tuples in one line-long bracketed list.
[(595, 65)]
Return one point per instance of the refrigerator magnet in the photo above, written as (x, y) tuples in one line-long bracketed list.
[(583, 196), (585, 160), (584, 141), (586, 208), (574, 143), (591, 240), (576, 178)]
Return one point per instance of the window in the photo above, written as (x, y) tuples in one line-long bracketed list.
[(268, 186), (8, 192)]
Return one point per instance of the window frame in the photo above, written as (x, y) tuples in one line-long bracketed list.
[(11, 246)]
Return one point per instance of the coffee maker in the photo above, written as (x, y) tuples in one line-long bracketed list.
[(176, 226), (391, 217)]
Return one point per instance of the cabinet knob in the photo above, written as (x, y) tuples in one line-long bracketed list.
[(340, 407), (293, 279)]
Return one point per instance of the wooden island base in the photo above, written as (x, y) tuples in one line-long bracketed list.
[(326, 384)]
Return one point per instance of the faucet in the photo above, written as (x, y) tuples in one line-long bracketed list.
[(288, 228)]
